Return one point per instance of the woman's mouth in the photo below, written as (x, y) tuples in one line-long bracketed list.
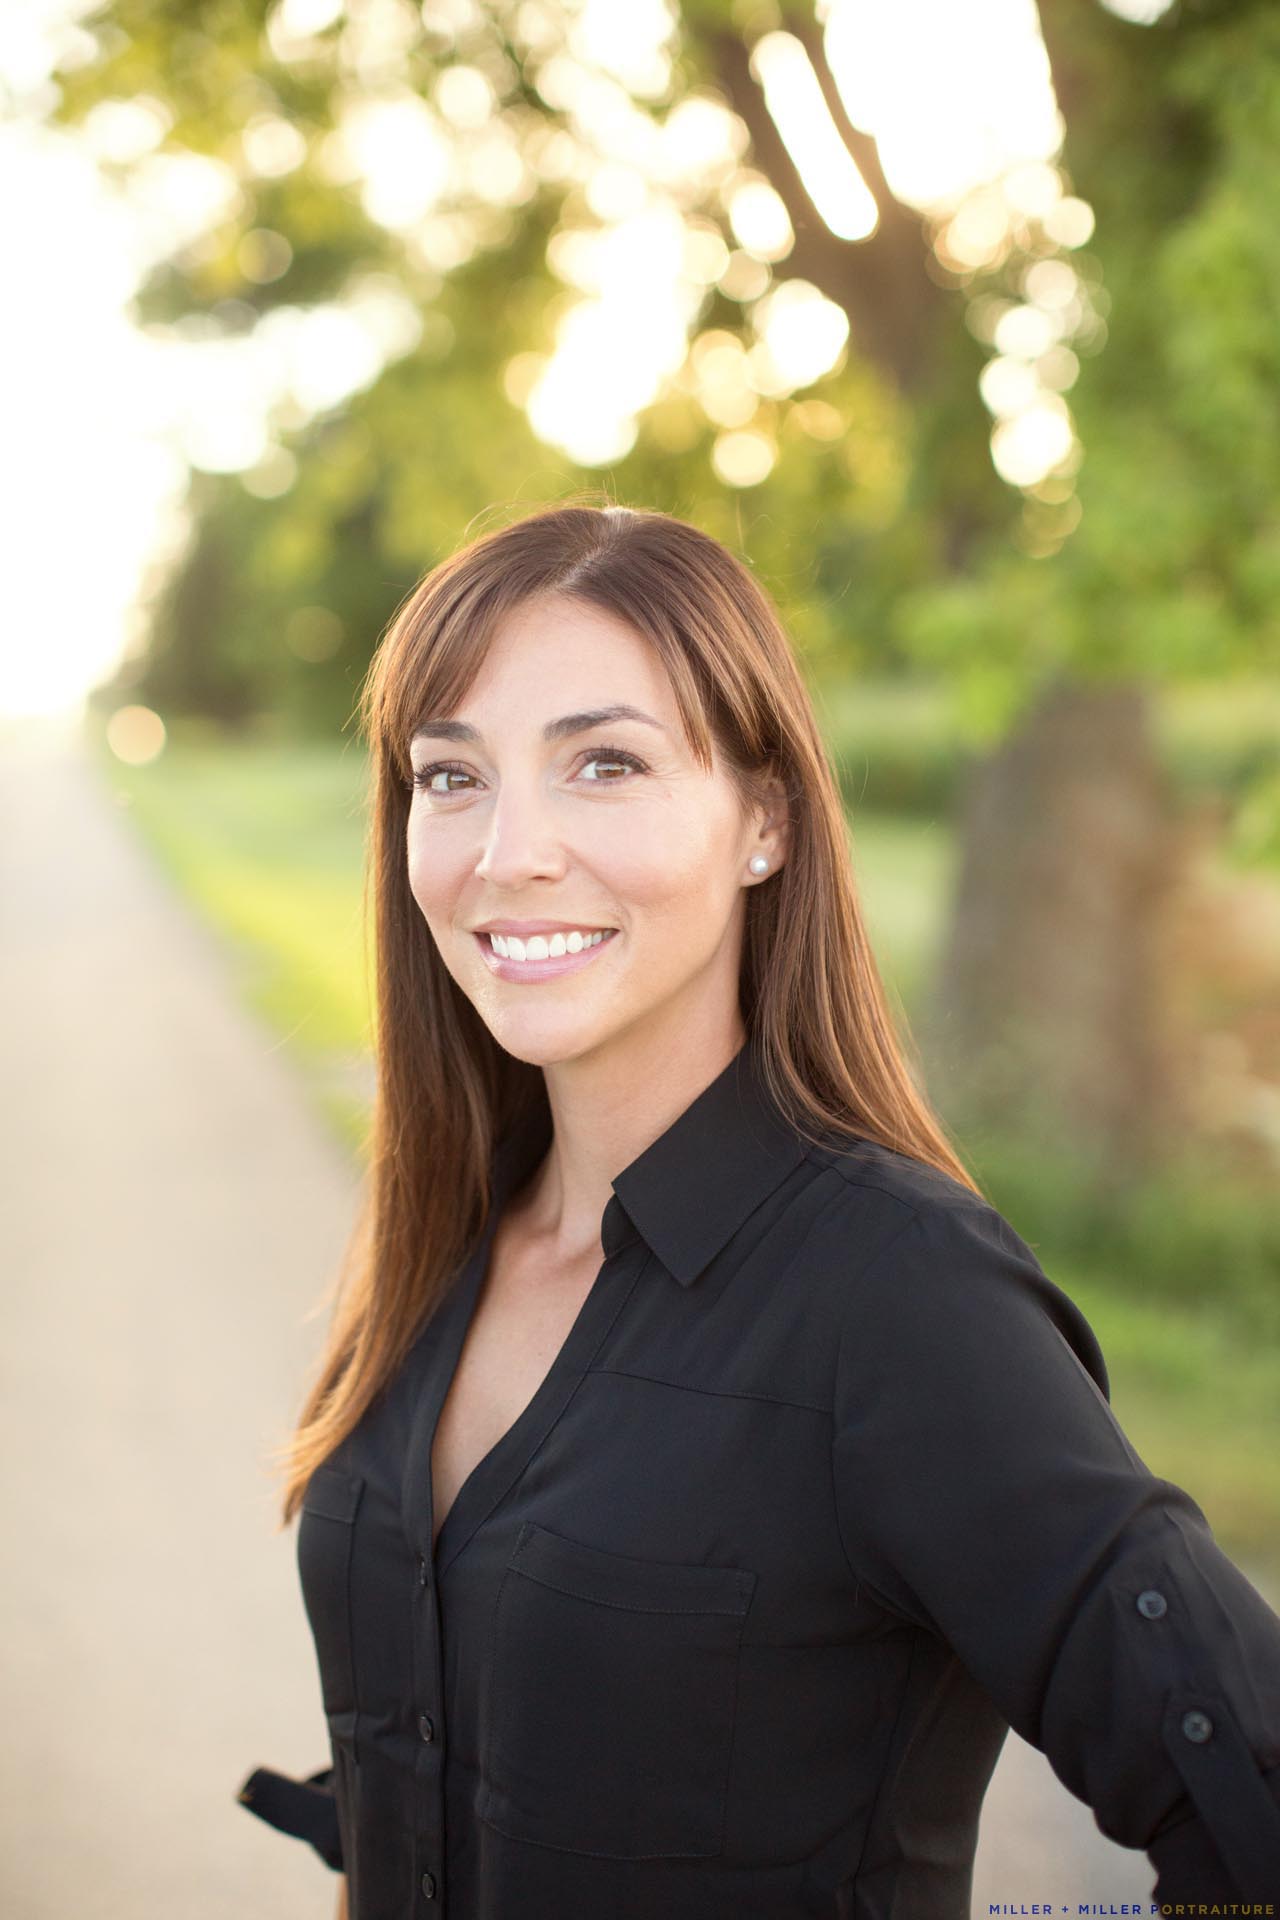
[(542, 956)]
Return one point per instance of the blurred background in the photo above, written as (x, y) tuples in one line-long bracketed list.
[(961, 323)]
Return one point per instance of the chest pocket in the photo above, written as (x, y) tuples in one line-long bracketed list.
[(326, 1539), (613, 1687)]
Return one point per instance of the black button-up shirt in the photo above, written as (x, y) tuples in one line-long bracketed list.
[(821, 1493)]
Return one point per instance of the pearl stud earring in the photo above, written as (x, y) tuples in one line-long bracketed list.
[(758, 863)]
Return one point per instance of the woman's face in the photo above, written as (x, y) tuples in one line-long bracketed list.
[(598, 846)]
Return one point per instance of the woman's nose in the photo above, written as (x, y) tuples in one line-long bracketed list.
[(520, 843)]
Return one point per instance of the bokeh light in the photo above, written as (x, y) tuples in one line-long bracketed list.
[(972, 135), (135, 735), (793, 94), (1032, 442), (954, 96), (1143, 13), (743, 459), (759, 218), (802, 334), (666, 211)]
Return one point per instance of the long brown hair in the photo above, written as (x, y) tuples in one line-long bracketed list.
[(811, 995)]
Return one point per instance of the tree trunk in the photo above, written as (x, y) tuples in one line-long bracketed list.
[(1057, 1018), (1053, 1016)]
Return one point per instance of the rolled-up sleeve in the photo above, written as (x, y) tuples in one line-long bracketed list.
[(986, 1492), (307, 1809)]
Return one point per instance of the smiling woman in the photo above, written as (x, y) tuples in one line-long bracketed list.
[(701, 1476), (640, 850)]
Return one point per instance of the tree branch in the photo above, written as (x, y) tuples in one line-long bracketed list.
[(881, 282)]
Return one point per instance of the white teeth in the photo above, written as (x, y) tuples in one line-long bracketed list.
[(538, 947)]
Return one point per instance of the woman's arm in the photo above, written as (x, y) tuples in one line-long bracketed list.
[(341, 1913), (986, 1492)]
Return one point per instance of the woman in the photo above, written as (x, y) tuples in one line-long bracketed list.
[(701, 1475)]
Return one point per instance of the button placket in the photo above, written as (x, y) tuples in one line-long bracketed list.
[(616, 1280), (428, 1769)]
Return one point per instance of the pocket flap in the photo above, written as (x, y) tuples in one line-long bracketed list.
[(615, 1579), (333, 1494)]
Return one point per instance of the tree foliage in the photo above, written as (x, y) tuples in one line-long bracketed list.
[(882, 526)]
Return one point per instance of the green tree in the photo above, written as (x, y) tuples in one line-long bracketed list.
[(1073, 850), (1054, 607)]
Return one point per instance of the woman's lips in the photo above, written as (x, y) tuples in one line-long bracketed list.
[(529, 972)]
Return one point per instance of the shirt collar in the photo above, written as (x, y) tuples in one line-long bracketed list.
[(690, 1190)]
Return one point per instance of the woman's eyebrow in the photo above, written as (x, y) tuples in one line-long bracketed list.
[(561, 729)]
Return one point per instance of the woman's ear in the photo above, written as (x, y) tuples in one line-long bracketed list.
[(773, 815)]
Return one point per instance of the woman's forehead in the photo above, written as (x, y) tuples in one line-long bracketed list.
[(578, 627), (556, 661), (550, 657)]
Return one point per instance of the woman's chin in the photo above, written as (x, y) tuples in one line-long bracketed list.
[(546, 1038)]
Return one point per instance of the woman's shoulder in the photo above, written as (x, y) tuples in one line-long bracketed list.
[(881, 1186), (912, 1248), (861, 1161)]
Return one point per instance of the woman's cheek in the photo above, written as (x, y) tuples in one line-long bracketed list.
[(433, 880), (652, 859)]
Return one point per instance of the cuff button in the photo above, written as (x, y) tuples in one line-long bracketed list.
[(1197, 1726), (1152, 1604)]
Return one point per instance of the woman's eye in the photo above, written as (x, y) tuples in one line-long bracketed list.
[(436, 779), (612, 764), (611, 757)]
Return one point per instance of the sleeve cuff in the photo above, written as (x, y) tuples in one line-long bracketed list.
[(1190, 1867), (306, 1808)]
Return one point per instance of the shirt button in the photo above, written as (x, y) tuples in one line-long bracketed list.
[(1197, 1726), (424, 1572), (426, 1726), (429, 1885), (1152, 1604)]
